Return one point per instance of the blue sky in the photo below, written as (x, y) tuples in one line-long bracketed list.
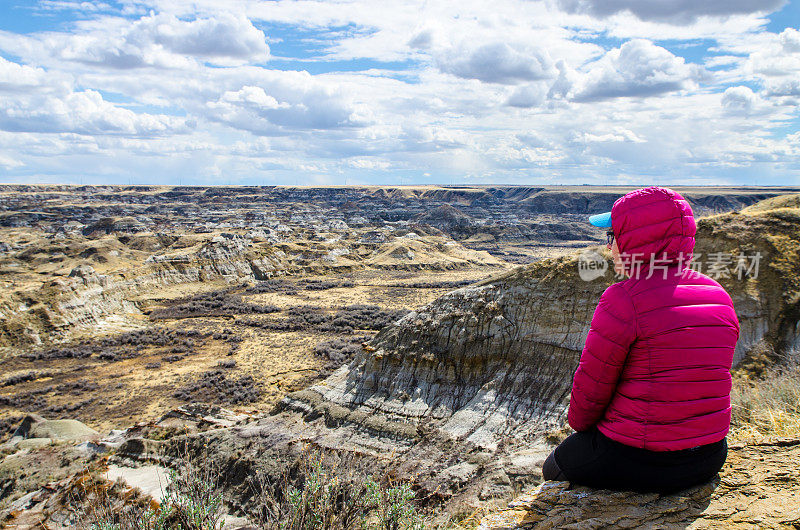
[(362, 92)]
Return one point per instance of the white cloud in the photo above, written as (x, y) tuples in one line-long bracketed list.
[(497, 62), (637, 68), (672, 11), (567, 78), (787, 87), (432, 138), (779, 56), (19, 77), (740, 100), (7, 162), (286, 102), (254, 97), (773, 61), (14, 76), (530, 95), (790, 39), (369, 163), (154, 40), (226, 36), (427, 37), (82, 113), (618, 134)]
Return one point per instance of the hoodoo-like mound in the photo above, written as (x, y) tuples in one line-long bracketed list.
[(774, 203), (434, 253), (447, 218)]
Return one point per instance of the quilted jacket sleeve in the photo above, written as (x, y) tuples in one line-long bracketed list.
[(612, 332)]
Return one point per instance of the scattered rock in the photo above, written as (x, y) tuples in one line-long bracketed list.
[(35, 431), (151, 480)]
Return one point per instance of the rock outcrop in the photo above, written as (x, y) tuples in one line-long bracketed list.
[(488, 362), (764, 245), (482, 363), (36, 431), (755, 489)]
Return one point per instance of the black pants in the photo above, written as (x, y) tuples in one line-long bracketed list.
[(592, 459)]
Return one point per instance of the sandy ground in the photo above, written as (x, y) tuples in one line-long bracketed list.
[(114, 394)]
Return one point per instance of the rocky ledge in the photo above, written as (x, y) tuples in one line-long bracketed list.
[(755, 489)]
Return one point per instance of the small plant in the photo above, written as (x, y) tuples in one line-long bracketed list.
[(444, 284), (348, 319), (192, 501), (334, 492), (321, 490), (322, 285), (123, 346), (273, 286), (337, 352), (215, 303), (394, 508)]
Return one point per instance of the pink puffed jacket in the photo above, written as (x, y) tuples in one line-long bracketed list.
[(655, 369)]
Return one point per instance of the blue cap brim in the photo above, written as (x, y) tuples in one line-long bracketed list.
[(601, 219)]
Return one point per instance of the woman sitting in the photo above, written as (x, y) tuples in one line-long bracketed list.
[(650, 399)]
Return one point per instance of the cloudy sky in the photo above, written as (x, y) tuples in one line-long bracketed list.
[(404, 92)]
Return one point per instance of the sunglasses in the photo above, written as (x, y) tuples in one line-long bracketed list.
[(610, 237)]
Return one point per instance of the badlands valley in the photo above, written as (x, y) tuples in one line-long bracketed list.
[(432, 329)]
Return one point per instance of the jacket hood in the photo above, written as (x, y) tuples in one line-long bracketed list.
[(653, 225)]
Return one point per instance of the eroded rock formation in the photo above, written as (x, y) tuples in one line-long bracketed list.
[(481, 362), (488, 362)]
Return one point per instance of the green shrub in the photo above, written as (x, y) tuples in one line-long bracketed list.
[(320, 490), (192, 501), (334, 491)]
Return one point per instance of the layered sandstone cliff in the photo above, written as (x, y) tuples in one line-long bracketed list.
[(495, 360)]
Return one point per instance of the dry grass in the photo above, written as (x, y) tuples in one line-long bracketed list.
[(471, 520), (336, 491), (192, 500), (770, 405)]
